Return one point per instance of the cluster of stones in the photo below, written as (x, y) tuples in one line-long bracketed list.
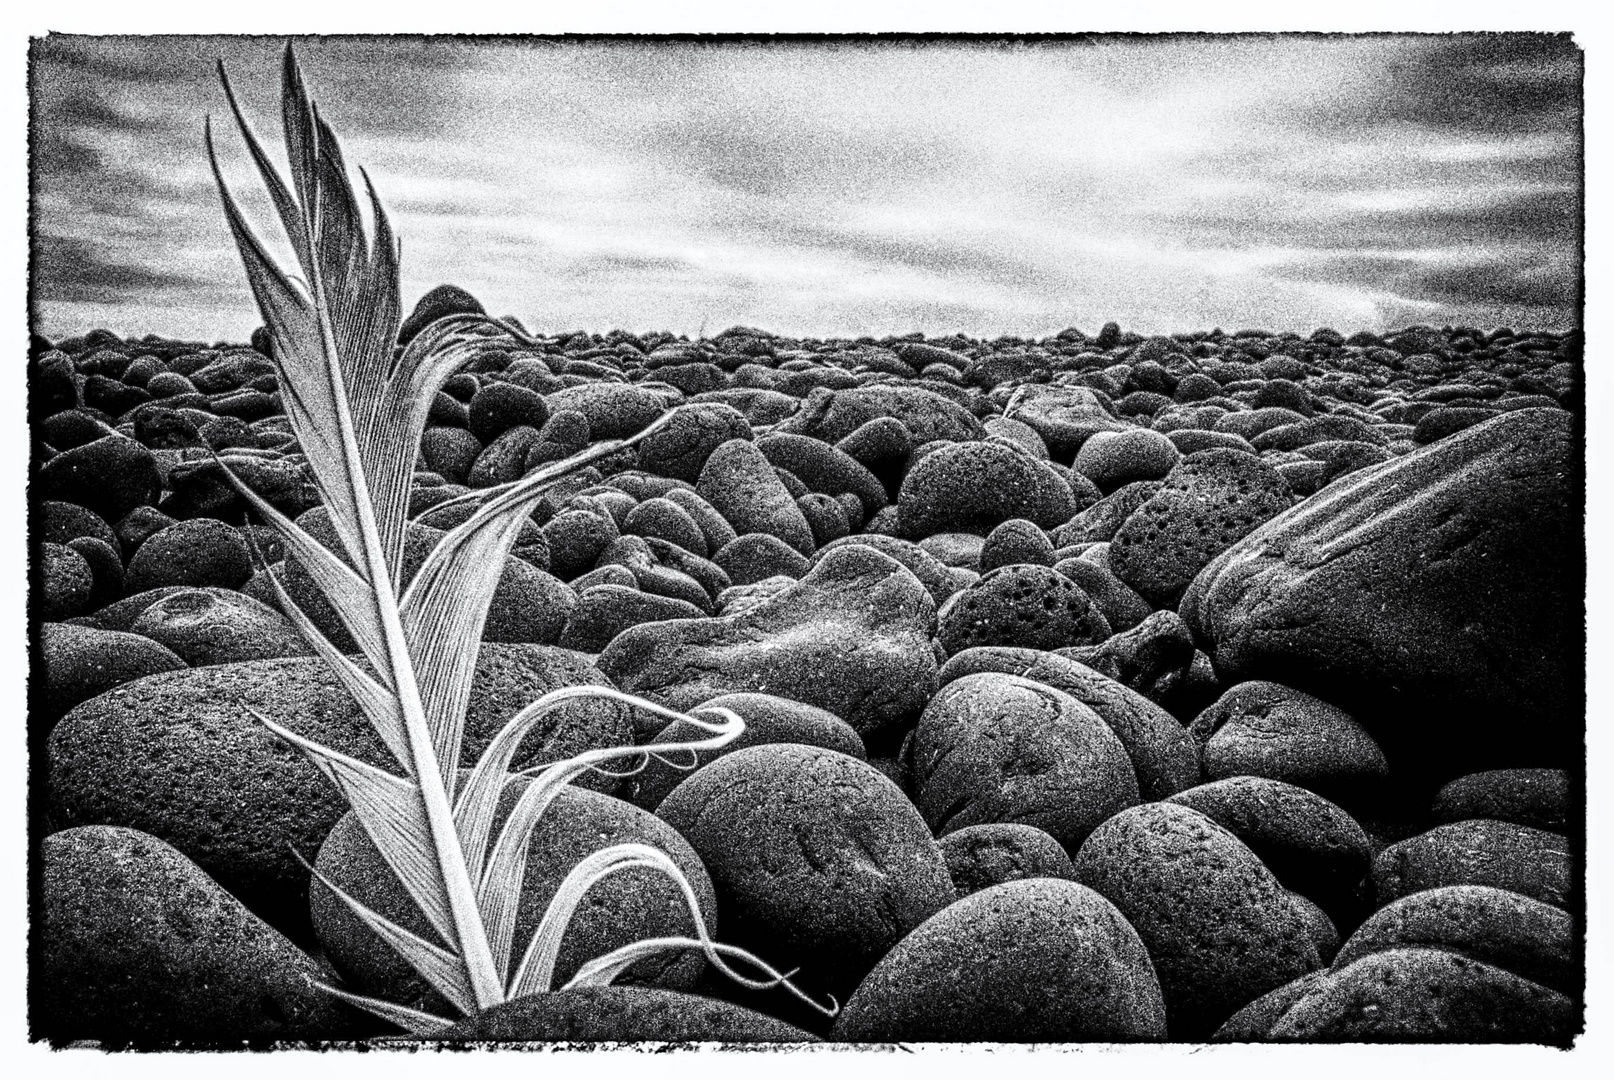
[(1213, 686)]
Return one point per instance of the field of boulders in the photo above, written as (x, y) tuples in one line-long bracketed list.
[(1098, 687)]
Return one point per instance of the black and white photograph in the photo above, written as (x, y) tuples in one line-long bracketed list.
[(807, 540)]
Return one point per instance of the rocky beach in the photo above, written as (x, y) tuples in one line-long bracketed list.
[(1222, 686)]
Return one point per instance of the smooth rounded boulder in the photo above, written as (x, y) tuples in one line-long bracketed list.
[(180, 756), (1040, 960), (1219, 927), (134, 944), (974, 487), (79, 662), (851, 637), (621, 1014), (981, 856), (1265, 729), (1113, 458), (1438, 597), (1539, 798), (1533, 862), (218, 626), (742, 486), (819, 861), (832, 415), (1535, 941), (1164, 758), (1426, 995), (768, 719), (1314, 847), (999, 748)]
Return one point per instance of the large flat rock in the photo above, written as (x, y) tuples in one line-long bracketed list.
[(1438, 597)]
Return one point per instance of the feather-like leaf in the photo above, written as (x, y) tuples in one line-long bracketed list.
[(388, 809), (377, 702), (477, 803), (537, 970), (291, 214), (447, 603), (499, 890), (304, 326), (349, 595), (439, 967), (413, 1021), (309, 376)]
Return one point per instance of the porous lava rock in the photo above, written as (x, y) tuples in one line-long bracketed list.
[(1026, 606), (1209, 501)]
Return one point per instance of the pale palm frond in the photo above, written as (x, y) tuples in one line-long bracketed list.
[(357, 407)]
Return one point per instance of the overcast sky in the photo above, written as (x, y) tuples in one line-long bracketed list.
[(1284, 182)]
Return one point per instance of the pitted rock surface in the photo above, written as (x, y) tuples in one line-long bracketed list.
[(1209, 501), (1026, 606)]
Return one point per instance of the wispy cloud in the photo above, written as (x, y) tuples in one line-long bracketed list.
[(846, 188)]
